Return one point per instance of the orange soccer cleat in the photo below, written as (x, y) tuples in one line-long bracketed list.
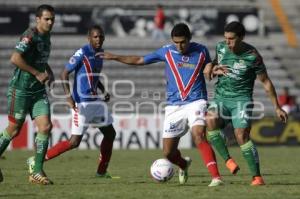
[(232, 166), (257, 181)]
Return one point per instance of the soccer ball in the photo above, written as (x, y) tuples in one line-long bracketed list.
[(162, 170)]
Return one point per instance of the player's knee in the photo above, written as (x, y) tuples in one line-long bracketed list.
[(46, 128), (109, 133)]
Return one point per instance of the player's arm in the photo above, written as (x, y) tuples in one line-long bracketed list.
[(19, 61), (208, 71), (270, 90), (126, 59), (103, 90), (50, 75), (65, 83)]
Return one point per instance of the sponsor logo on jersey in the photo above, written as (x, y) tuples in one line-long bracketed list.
[(185, 58), (72, 60)]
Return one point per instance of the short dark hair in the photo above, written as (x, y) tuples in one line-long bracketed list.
[(181, 30), (43, 7), (235, 27), (95, 27)]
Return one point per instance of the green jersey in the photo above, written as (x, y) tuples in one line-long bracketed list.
[(35, 50), (242, 67)]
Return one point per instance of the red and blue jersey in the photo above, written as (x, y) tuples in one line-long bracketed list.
[(87, 65), (184, 73)]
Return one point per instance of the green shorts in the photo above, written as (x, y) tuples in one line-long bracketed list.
[(238, 112), (21, 102)]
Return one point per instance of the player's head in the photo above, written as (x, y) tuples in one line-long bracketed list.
[(96, 36), (45, 18), (234, 33), (181, 36)]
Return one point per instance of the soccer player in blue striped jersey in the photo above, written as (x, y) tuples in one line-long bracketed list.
[(186, 97), (86, 105)]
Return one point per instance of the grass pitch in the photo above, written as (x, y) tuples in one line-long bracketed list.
[(74, 176)]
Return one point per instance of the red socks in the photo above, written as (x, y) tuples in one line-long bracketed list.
[(58, 149), (105, 154), (209, 158)]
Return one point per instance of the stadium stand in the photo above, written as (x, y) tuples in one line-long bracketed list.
[(148, 81)]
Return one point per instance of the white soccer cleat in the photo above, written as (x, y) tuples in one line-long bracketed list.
[(216, 182), (183, 174)]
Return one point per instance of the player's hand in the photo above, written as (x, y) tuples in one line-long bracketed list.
[(42, 77), (71, 103), (282, 115), (106, 97), (220, 70)]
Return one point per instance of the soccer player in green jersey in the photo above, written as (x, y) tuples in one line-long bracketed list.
[(26, 92), (237, 65)]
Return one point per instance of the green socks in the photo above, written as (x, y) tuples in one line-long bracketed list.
[(218, 142), (250, 153), (41, 141), (4, 141)]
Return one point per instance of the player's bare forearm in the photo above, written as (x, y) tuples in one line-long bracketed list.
[(19, 61), (269, 88), (126, 59), (208, 71), (271, 92), (65, 82)]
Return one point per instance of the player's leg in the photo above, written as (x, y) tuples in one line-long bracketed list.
[(40, 112), (175, 126), (106, 148), (195, 113), (63, 146), (172, 153), (214, 122), (205, 150), (242, 126), (78, 127), (44, 127), (17, 109)]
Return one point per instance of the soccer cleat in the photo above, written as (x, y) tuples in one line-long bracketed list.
[(232, 166), (183, 174), (39, 178), (257, 181), (1, 176), (30, 163), (216, 182), (104, 175)]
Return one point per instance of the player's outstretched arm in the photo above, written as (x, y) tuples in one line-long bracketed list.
[(270, 90), (126, 59)]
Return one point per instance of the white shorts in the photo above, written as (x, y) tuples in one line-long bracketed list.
[(179, 118), (93, 113)]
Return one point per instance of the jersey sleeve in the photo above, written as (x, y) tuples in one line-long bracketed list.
[(25, 42), (259, 65), (155, 56), (75, 61)]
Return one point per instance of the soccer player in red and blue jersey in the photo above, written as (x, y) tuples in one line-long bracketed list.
[(86, 105), (186, 97)]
